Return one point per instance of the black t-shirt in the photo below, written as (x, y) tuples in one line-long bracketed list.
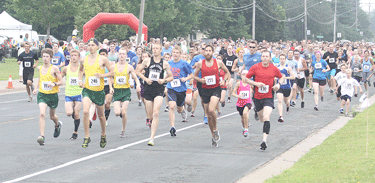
[(332, 59), (228, 61), (47, 45), (28, 59), (222, 51)]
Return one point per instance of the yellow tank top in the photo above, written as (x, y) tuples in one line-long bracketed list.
[(72, 85), (92, 82), (121, 78), (46, 79)]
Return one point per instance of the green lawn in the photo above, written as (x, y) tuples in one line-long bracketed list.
[(10, 67), (340, 158)]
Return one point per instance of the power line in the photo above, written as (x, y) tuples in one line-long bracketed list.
[(285, 20), (222, 11), (317, 21), (242, 7)]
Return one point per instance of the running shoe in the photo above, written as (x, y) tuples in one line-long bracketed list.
[(86, 142), (173, 132), (287, 110), (103, 141), (40, 140), (205, 120), (293, 103), (216, 135), (330, 91), (30, 99), (341, 111), (263, 146), (214, 143), (281, 119), (356, 95), (189, 108), (151, 142), (322, 98), (32, 88), (148, 122), (218, 114), (369, 84), (310, 90), (184, 115), (122, 134), (346, 114), (74, 136), (90, 125), (139, 104), (166, 109), (229, 100), (223, 104), (302, 104), (256, 117), (316, 108), (192, 114), (245, 133), (57, 130)]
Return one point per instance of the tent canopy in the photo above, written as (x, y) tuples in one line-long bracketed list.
[(10, 23)]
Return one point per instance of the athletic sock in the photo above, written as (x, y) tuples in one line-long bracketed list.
[(76, 124)]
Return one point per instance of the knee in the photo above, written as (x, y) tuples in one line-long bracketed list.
[(107, 105), (86, 112), (42, 115), (52, 116), (155, 114), (172, 108), (211, 111), (29, 82), (69, 114)]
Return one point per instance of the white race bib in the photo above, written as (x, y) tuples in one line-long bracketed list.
[(121, 80), (154, 76), (332, 60), (284, 82), (68, 57), (55, 61), (366, 67), (255, 60), (229, 63), (210, 80), (45, 86), (244, 94), (356, 69), (27, 64), (176, 83), (73, 81), (349, 86), (318, 65), (94, 81), (106, 81), (264, 89)]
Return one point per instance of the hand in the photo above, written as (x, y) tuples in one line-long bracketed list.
[(51, 85), (34, 91), (336, 91), (138, 88), (222, 83), (19, 63), (259, 84), (203, 81), (111, 91), (276, 87), (34, 66), (148, 81), (98, 75), (81, 84), (191, 82), (183, 79), (327, 57), (324, 70), (161, 81)]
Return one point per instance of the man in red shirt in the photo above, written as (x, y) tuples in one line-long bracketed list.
[(211, 91), (264, 75)]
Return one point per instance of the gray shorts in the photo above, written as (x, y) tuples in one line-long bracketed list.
[(365, 76)]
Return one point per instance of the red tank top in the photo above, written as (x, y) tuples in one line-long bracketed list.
[(222, 76), (211, 74)]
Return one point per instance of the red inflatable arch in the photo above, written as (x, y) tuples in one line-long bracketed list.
[(111, 18)]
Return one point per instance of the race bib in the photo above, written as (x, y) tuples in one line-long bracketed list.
[(73, 81), (55, 61), (244, 94), (255, 60), (154, 76), (68, 57), (27, 64), (264, 89), (229, 63), (45, 86), (210, 80), (221, 79), (318, 65), (121, 80), (356, 69), (105, 81), (94, 81), (349, 86), (284, 82), (366, 67), (332, 60), (176, 83)]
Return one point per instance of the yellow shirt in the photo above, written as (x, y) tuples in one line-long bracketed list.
[(46, 79), (92, 82), (121, 79)]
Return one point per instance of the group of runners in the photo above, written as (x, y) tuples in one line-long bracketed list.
[(250, 71)]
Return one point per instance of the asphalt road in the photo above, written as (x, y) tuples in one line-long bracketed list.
[(188, 157)]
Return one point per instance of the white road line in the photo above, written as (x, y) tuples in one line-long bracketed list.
[(104, 152), (34, 97)]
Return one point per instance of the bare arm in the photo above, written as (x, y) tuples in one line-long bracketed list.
[(134, 76), (80, 73), (169, 77), (63, 72), (234, 93), (140, 68), (37, 83), (58, 76), (198, 67), (234, 68)]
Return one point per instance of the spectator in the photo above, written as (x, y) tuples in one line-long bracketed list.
[(22, 49)]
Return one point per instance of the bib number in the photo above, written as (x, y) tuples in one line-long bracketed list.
[(284, 82), (73, 81), (332, 60), (154, 76), (264, 89), (176, 83), (244, 94), (229, 63), (318, 65), (68, 57), (210, 80), (105, 81), (94, 81), (55, 61), (366, 67), (27, 64), (355, 69), (255, 60), (45, 86), (121, 80)]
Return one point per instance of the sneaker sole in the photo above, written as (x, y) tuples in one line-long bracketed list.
[(40, 141)]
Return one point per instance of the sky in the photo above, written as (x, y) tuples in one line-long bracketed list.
[(364, 5)]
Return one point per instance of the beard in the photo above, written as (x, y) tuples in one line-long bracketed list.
[(208, 57)]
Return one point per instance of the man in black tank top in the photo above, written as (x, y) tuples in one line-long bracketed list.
[(154, 88)]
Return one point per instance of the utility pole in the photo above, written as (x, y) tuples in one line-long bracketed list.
[(306, 20), (141, 12), (253, 36), (334, 23), (356, 14)]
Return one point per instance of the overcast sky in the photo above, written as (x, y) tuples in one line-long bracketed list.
[(364, 5)]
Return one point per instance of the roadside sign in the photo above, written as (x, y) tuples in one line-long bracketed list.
[(308, 32), (339, 35)]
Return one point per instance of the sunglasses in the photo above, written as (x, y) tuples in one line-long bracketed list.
[(252, 47)]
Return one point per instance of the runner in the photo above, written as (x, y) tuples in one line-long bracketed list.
[(27, 59), (223, 87), (284, 92), (357, 72), (228, 60), (238, 64), (134, 63), (330, 57), (340, 76), (211, 91), (367, 68), (300, 80), (93, 66), (293, 64), (122, 93), (264, 74), (67, 54), (347, 90), (182, 72), (320, 67), (113, 54), (145, 55), (58, 58), (108, 88), (242, 92), (48, 86), (154, 85), (73, 98), (167, 58)]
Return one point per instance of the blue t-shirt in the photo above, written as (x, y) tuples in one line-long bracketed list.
[(131, 54), (251, 60), (67, 57), (318, 67), (57, 59), (169, 50), (180, 69), (275, 60), (195, 60), (134, 60), (366, 65)]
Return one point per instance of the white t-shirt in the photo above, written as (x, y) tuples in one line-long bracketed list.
[(347, 86), (83, 54), (340, 77)]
